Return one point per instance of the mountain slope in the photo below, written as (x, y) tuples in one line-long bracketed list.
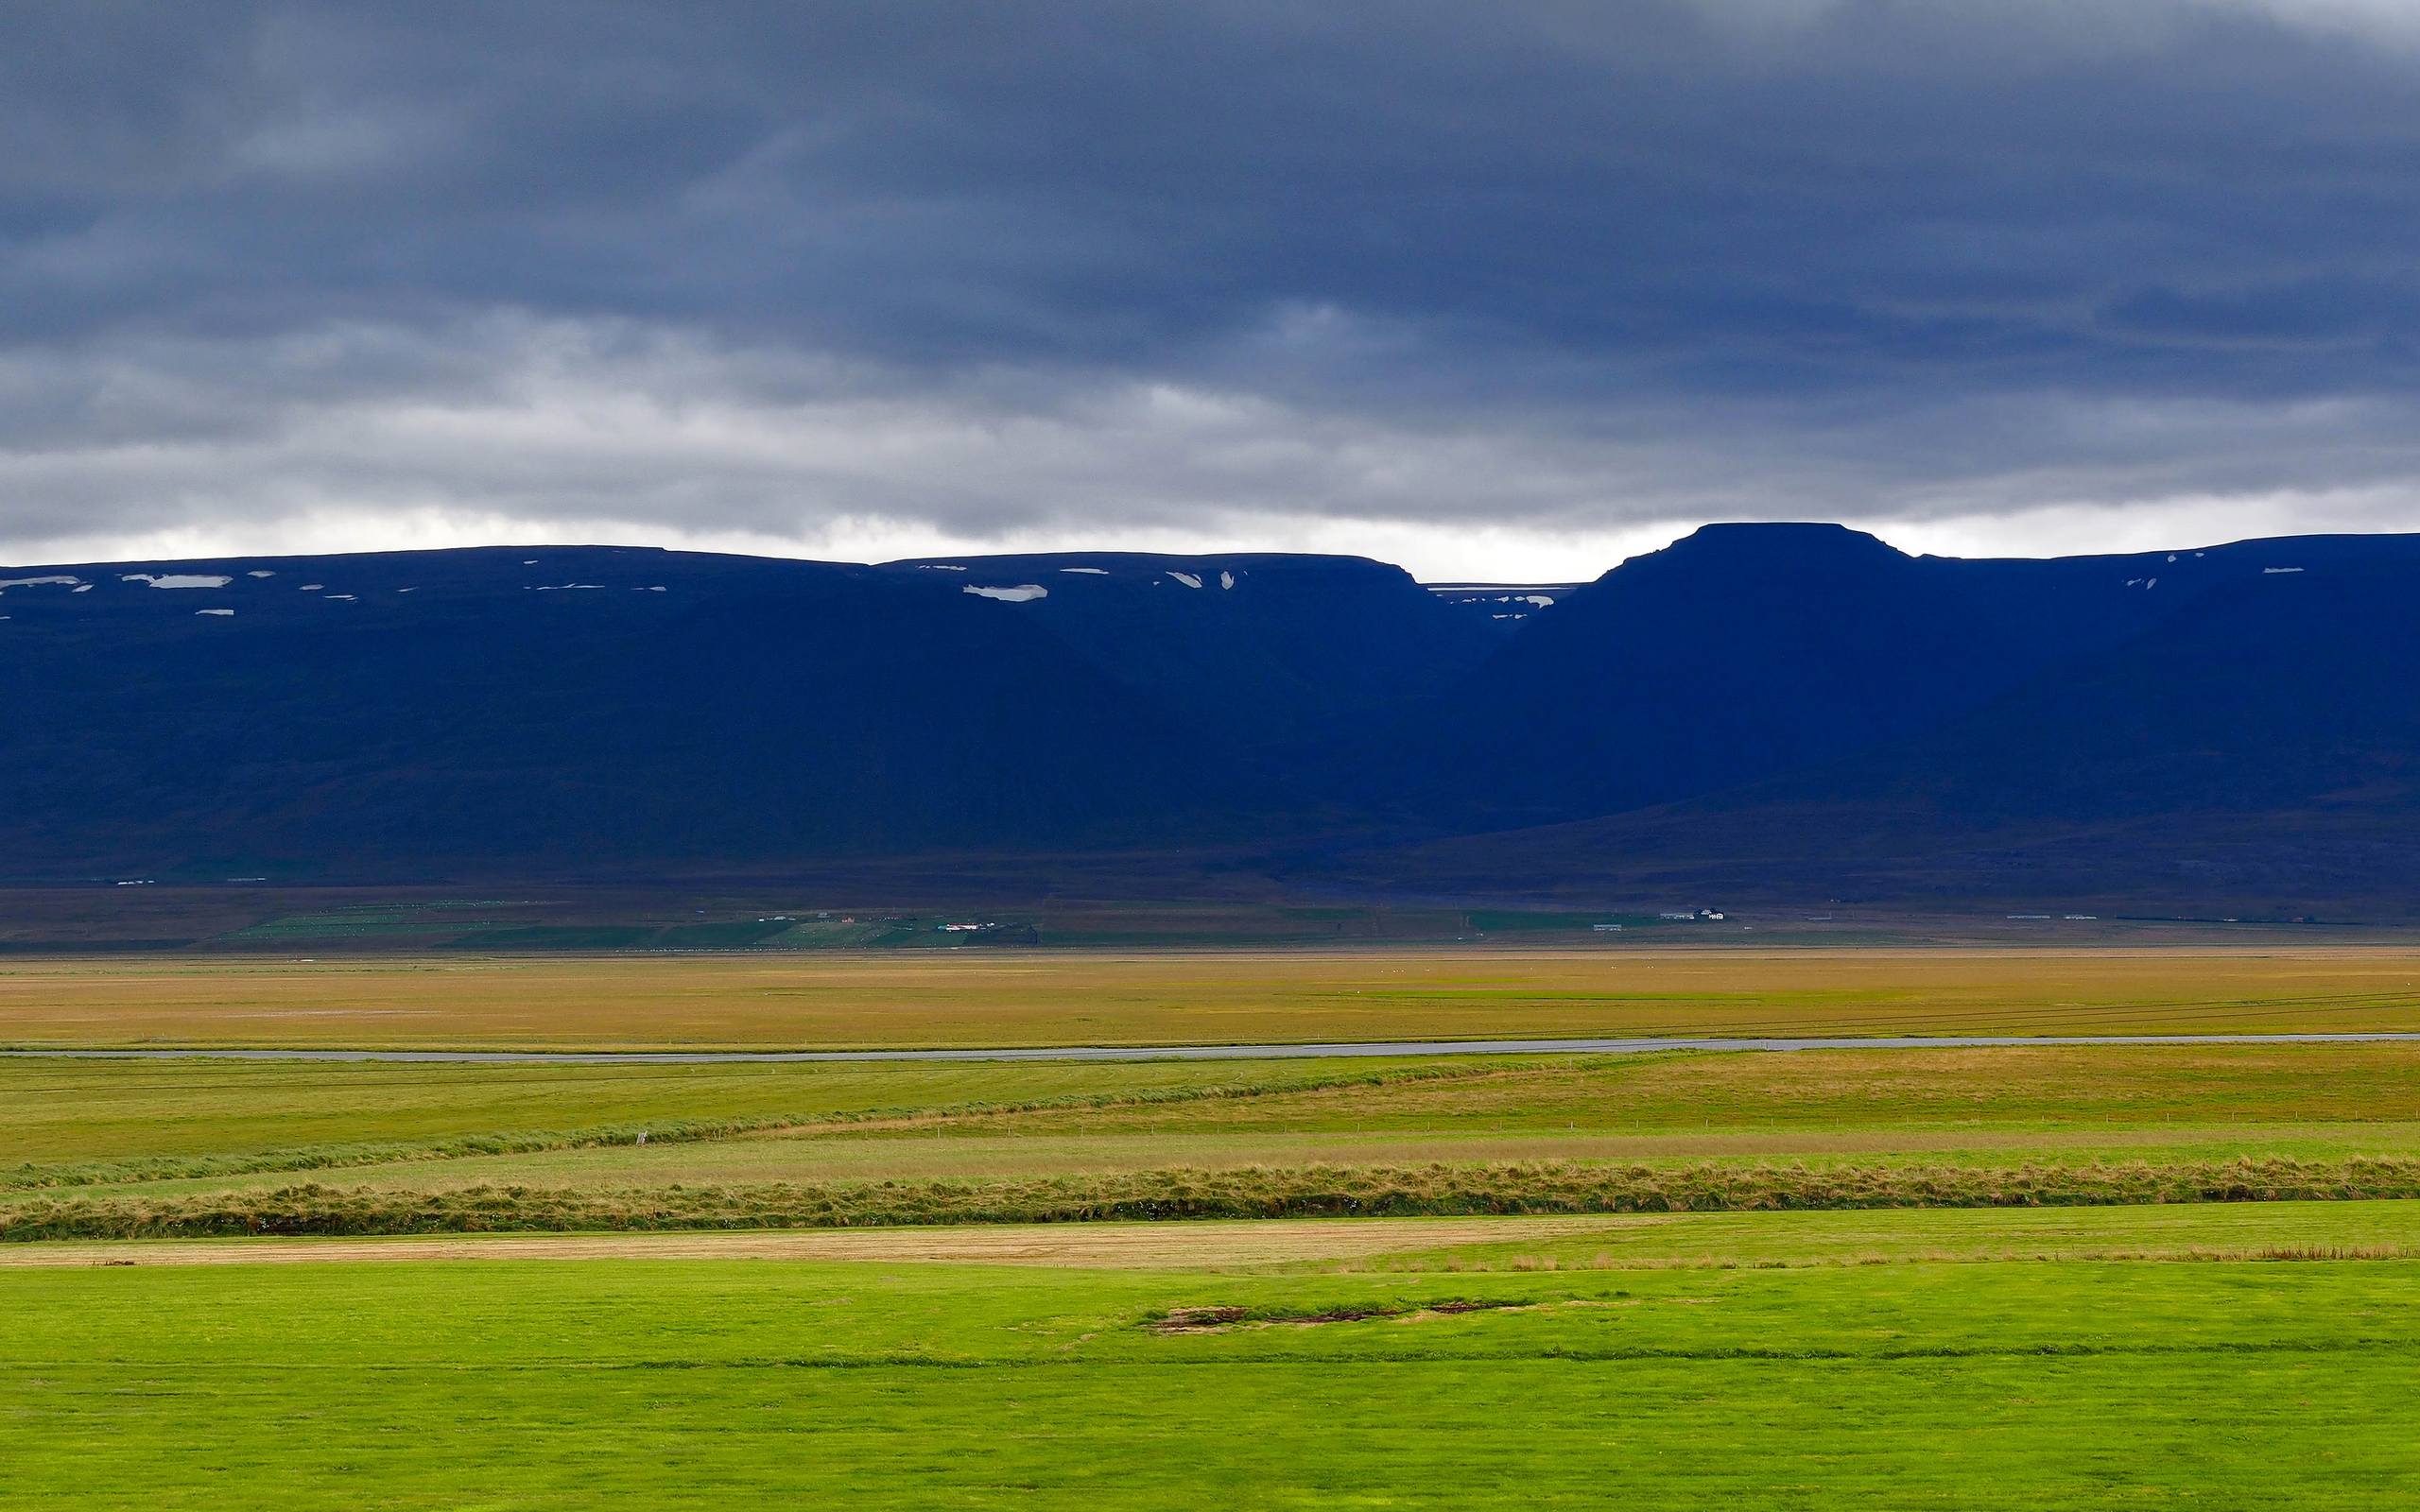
[(2262, 742), (576, 710), (1798, 710), (1746, 652), (1253, 650), (1739, 651)]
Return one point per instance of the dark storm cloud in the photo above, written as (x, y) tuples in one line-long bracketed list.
[(1573, 264)]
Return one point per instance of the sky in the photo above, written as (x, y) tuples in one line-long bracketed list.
[(1503, 291)]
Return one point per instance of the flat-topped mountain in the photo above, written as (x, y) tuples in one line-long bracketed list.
[(1766, 700)]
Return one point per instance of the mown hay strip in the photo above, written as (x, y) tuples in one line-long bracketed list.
[(1439, 1190)]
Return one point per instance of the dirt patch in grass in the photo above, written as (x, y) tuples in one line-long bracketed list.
[(1222, 1319), (1196, 1319)]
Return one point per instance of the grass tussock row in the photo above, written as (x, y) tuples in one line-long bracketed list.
[(32, 1177), (1439, 1190)]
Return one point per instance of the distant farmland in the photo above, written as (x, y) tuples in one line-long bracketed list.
[(1111, 998)]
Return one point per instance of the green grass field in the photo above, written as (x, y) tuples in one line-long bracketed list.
[(2009, 1277), (1453, 1376)]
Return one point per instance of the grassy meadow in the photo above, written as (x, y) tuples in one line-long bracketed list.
[(2033, 1276), (1236, 997), (1498, 1373), (95, 1148)]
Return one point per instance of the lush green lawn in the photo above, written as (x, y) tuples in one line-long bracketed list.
[(626, 1382), (2243, 1230)]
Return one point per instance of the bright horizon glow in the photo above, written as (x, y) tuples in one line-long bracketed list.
[(1431, 553)]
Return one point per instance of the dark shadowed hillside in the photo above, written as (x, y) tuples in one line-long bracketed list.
[(1795, 710), (1744, 651), (1248, 649), (1739, 651), (586, 709), (2255, 746)]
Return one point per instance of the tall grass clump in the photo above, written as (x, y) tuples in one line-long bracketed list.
[(1176, 1195)]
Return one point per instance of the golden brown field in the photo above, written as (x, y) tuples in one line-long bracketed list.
[(1246, 997)]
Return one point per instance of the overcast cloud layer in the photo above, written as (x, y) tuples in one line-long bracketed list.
[(1494, 290)]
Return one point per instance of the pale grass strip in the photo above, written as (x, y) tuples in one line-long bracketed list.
[(1122, 1245)]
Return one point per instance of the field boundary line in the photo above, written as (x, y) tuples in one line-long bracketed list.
[(1309, 1050)]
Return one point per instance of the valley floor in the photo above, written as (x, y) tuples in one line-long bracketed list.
[(1533, 1363), (2029, 1276)]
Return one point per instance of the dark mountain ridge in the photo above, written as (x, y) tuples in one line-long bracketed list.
[(1743, 651), (1798, 707), (2255, 747)]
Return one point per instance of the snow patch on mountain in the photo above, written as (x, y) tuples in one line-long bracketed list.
[(178, 579)]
